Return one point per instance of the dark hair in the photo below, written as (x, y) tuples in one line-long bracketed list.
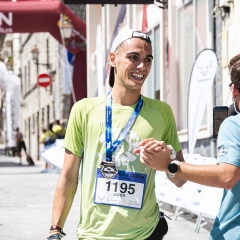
[(50, 125), (234, 71), (57, 122), (231, 110)]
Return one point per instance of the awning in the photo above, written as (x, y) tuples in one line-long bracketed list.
[(29, 16), (39, 16)]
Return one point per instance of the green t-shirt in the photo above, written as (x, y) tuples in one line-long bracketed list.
[(85, 137)]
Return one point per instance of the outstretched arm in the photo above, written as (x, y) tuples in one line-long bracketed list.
[(65, 190), (223, 175), (156, 154)]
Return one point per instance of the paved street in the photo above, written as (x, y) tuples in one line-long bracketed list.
[(26, 195)]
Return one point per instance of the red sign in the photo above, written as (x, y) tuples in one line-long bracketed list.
[(44, 80)]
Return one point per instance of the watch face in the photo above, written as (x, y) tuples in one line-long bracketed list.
[(173, 168)]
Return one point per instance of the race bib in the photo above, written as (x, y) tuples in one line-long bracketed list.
[(126, 189)]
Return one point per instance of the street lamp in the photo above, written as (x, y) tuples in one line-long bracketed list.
[(67, 30), (35, 55), (65, 27)]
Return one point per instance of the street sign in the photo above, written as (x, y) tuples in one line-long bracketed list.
[(44, 80)]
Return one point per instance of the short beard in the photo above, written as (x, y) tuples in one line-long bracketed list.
[(235, 106)]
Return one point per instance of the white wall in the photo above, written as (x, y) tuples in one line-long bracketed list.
[(233, 47)]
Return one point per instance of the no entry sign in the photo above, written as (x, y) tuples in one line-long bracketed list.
[(44, 80)]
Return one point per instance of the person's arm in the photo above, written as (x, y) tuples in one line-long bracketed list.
[(66, 189), (156, 154), (17, 139), (222, 175), (176, 180)]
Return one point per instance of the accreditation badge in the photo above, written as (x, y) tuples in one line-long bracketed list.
[(125, 189)]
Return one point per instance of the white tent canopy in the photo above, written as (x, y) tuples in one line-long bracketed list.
[(10, 83)]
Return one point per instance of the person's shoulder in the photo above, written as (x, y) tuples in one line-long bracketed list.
[(156, 104), (88, 103), (233, 120), (230, 127)]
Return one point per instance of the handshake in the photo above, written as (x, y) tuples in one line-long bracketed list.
[(156, 154)]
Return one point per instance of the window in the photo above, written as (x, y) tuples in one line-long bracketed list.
[(33, 124), (43, 117), (29, 135), (48, 114), (53, 110), (192, 25), (38, 135), (47, 47), (151, 87), (29, 77), (25, 79), (25, 126)]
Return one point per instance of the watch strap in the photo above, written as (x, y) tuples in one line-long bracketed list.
[(173, 152)]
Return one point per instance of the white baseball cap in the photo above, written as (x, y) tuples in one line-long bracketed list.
[(119, 39)]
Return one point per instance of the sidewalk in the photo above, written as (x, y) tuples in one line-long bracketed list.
[(26, 196)]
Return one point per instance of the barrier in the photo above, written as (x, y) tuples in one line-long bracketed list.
[(54, 154), (204, 201)]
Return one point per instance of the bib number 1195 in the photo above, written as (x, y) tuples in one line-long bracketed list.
[(122, 188), (125, 189)]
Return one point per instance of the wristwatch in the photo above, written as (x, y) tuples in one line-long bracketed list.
[(173, 168), (173, 154)]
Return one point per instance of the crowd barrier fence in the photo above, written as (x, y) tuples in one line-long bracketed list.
[(203, 201)]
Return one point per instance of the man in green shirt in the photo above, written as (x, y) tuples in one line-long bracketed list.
[(117, 191)]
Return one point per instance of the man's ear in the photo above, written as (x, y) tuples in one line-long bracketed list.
[(111, 59), (234, 91)]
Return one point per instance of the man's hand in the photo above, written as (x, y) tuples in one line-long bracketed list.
[(154, 154), (145, 143)]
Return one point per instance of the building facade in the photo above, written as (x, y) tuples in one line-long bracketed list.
[(39, 106), (179, 32)]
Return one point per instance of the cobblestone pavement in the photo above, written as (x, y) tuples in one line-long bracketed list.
[(26, 195)]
